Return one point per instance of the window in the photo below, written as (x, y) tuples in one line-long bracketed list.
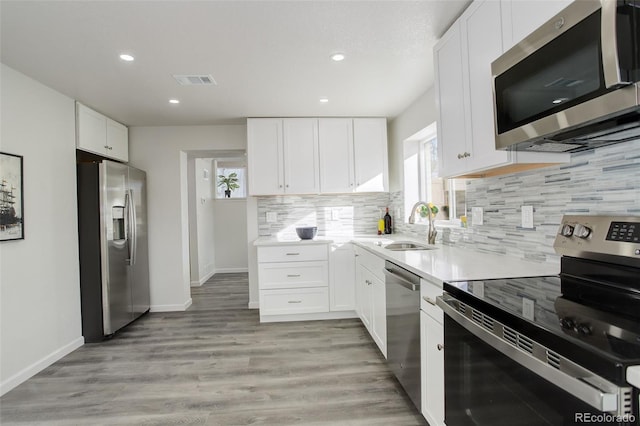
[(226, 169), (421, 180)]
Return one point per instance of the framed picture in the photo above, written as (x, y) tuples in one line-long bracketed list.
[(11, 197)]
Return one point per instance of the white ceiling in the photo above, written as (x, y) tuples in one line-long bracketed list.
[(269, 58)]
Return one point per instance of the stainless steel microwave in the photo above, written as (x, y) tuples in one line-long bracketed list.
[(572, 84)]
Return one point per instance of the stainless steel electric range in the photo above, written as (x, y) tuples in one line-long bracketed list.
[(555, 350)]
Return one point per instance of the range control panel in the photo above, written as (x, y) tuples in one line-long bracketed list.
[(594, 236), (628, 232)]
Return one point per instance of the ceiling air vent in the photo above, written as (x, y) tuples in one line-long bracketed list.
[(195, 80)]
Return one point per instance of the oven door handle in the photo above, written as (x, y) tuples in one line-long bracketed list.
[(602, 400)]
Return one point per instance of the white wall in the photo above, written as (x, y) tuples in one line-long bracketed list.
[(162, 153), (205, 219), (39, 276), (421, 113), (230, 216)]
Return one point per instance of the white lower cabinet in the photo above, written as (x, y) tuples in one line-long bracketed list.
[(293, 279), (432, 355), (342, 278), (371, 296)]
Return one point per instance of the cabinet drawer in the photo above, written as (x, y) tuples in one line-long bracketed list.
[(428, 293), (293, 253), (293, 275), (294, 301), (372, 262)]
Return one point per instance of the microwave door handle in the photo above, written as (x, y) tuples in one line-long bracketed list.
[(609, 42)]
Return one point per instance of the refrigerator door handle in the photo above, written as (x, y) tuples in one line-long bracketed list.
[(132, 223), (127, 227)]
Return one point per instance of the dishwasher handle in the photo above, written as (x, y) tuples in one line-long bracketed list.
[(392, 278)]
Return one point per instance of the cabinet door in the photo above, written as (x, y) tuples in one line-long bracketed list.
[(91, 130), (432, 341), (363, 283), (452, 137), (265, 156), (482, 44), (336, 155), (342, 290), (379, 313), (301, 156), (522, 17), (370, 154), (117, 140)]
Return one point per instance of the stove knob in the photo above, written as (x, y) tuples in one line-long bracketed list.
[(584, 329), (581, 231), (567, 323), (566, 230)]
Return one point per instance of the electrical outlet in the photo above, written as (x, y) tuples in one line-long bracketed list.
[(528, 306), (272, 217), (527, 217), (478, 289), (477, 216)]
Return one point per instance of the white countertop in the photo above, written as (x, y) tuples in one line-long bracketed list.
[(444, 263), (450, 263)]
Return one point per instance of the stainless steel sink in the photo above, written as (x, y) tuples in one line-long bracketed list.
[(408, 245)]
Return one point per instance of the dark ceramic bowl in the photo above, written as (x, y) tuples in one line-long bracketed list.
[(307, 232)]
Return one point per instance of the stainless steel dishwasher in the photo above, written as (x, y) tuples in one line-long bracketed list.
[(403, 328)]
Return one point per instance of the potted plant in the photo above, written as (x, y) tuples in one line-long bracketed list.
[(230, 182)]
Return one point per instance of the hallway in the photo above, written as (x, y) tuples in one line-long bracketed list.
[(216, 365)]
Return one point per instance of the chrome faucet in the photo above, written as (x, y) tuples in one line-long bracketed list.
[(431, 235)]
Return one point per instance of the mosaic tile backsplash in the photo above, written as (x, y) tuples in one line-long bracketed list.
[(335, 215), (601, 181)]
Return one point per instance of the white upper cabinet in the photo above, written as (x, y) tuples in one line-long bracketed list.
[(101, 135), (301, 156), (265, 156), (336, 155), (464, 93), (521, 17), (282, 156), (353, 155), (452, 138), (370, 154)]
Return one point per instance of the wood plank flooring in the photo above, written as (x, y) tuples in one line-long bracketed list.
[(215, 364)]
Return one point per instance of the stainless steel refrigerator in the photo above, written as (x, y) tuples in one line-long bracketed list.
[(114, 259)]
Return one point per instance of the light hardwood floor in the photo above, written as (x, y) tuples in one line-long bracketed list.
[(215, 364)]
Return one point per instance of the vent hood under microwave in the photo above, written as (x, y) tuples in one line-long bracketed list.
[(573, 84)]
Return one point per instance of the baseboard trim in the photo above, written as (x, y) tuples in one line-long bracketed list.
[(172, 308), (309, 317), (254, 305), (30, 371), (203, 279), (231, 270)]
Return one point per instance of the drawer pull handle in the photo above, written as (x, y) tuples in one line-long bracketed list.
[(293, 275), (440, 346), (293, 254), (430, 301), (295, 301)]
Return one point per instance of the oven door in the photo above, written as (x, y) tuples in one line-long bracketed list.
[(484, 387)]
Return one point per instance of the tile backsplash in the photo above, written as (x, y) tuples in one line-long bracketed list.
[(334, 214), (601, 181)]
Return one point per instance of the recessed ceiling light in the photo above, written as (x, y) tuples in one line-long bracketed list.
[(338, 56), (324, 100), (126, 57), (174, 101)]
